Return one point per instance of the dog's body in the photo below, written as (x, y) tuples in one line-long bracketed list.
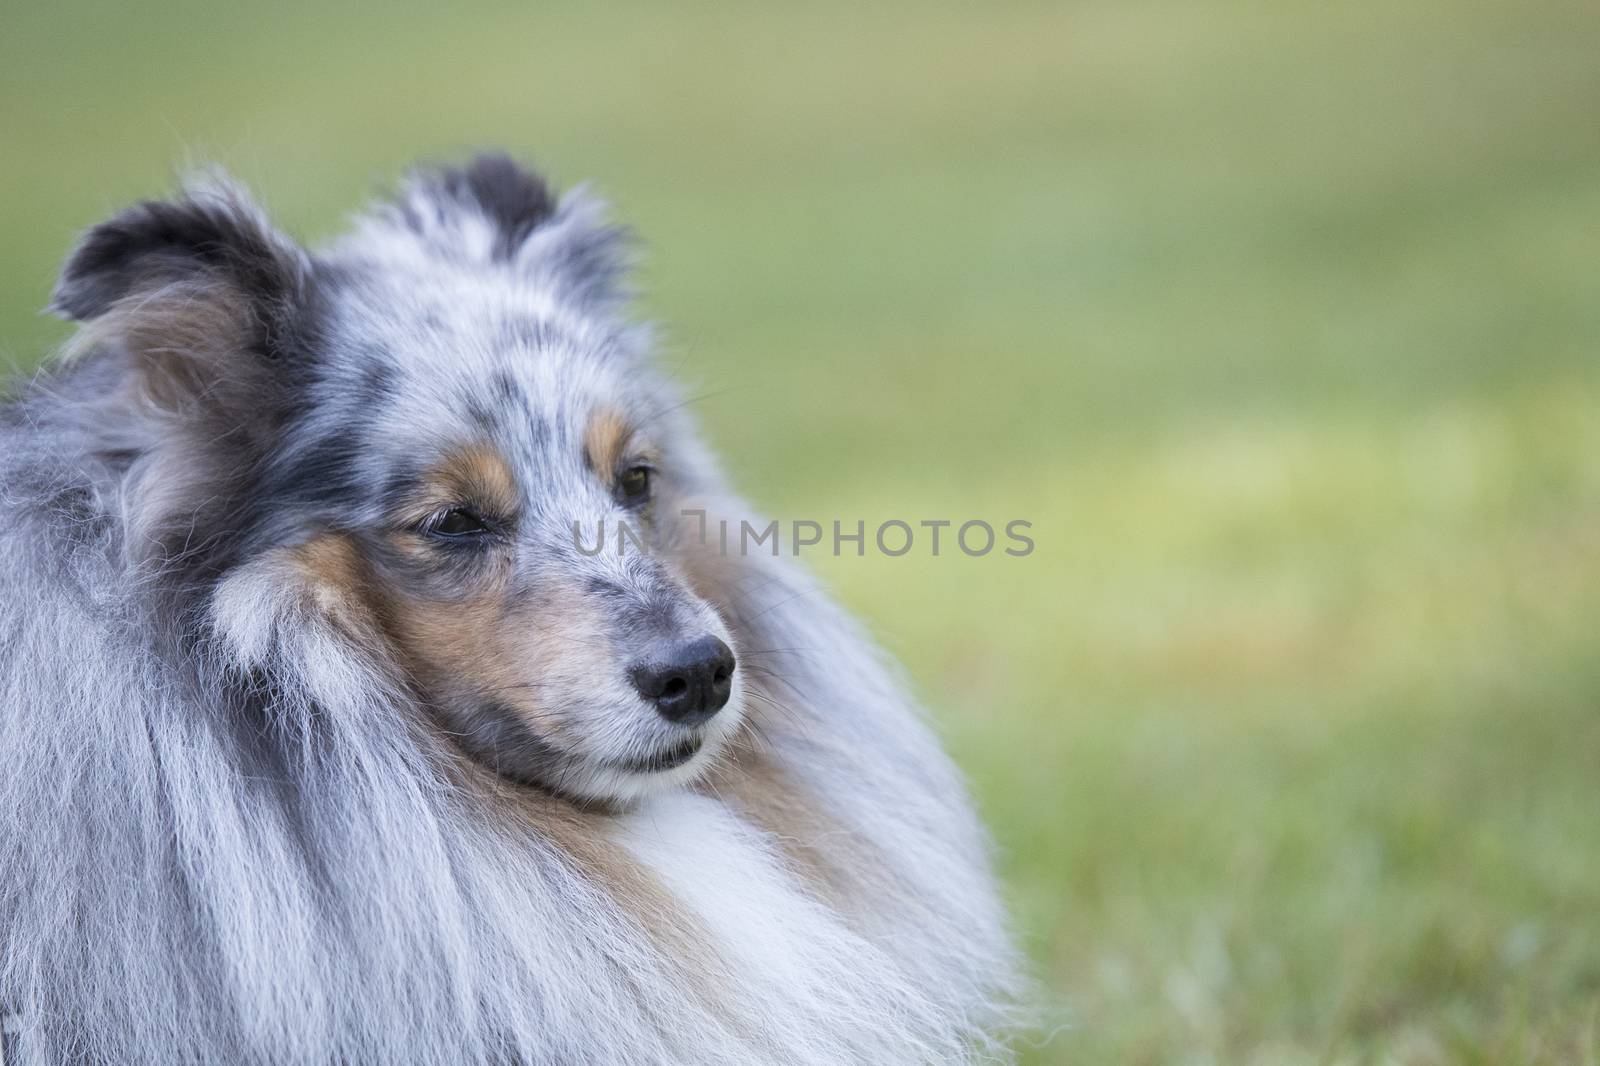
[(316, 747)]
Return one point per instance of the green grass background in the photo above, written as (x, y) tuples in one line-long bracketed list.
[(1280, 321)]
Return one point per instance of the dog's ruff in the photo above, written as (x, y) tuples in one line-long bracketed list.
[(233, 830)]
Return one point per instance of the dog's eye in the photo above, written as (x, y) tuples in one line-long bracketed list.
[(633, 484), (458, 522)]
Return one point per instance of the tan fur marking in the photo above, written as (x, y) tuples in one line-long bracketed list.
[(475, 475), (605, 441), (456, 646), (481, 472), (332, 565), (338, 581), (484, 646)]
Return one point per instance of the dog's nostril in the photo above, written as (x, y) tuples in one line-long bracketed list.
[(687, 681)]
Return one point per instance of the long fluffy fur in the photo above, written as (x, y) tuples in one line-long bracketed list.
[(230, 833)]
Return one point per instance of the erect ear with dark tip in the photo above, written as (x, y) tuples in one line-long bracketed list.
[(213, 235), (512, 199), (494, 212)]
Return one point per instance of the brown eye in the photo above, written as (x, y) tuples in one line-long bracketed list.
[(633, 485), (458, 522)]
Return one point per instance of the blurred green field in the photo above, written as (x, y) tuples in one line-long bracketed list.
[(1281, 323)]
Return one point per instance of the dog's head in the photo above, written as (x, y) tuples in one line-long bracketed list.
[(442, 437)]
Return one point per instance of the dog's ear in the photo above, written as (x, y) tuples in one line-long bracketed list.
[(493, 211), (492, 189), (199, 298), (210, 244)]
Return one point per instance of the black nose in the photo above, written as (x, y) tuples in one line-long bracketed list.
[(688, 681)]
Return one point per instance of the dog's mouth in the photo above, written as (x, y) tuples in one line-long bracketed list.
[(666, 759)]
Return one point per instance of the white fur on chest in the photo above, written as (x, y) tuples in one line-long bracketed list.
[(729, 877), (791, 961)]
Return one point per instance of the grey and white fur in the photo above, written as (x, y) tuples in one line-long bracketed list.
[(320, 741)]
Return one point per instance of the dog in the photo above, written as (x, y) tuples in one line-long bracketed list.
[(325, 739)]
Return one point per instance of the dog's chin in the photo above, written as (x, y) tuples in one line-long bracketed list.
[(625, 780), (502, 742), (622, 783)]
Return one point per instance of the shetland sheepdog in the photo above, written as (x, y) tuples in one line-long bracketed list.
[(324, 740)]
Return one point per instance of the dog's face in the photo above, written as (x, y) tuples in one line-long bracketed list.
[(456, 444), (513, 521)]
